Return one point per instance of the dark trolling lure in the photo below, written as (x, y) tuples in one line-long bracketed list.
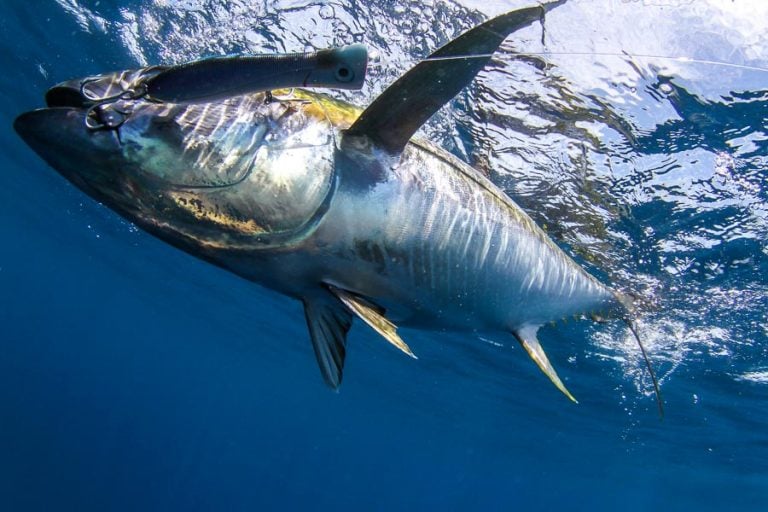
[(217, 78), (341, 209), (109, 98)]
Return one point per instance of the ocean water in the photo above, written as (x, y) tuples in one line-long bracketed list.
[(135, 377)]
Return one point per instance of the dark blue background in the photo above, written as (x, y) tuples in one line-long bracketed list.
[(134, 377)]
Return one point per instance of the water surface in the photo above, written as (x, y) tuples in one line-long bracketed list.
[(135, 377)]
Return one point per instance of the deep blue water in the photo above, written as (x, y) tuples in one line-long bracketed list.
[(135, 377)]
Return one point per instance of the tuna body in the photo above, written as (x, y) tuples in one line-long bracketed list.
[(429, 239)]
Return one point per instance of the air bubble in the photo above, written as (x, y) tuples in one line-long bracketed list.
[(327, 12)]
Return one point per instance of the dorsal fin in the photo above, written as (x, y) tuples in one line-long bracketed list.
[(404, 106)]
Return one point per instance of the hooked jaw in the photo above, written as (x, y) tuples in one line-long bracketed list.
[(59, 135), (60, 132), (72, 137)]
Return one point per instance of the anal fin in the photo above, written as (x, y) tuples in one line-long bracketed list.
[(370, 314), (328, 321), (527, 338)]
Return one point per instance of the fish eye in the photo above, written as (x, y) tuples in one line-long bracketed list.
[(344, 74)]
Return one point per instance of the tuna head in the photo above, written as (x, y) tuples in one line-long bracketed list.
[(240, 173)]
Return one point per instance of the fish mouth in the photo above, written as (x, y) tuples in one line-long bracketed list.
[(61, 138), (50, 127)]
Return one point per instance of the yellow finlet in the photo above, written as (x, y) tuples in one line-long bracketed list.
[(375, 319), (527, 338)]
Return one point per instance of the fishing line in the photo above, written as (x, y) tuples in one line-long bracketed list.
[(659, 400), (686, 60)]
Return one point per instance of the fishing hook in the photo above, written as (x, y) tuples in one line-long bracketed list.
[(99, 116)]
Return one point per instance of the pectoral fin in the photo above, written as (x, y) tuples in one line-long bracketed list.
[(371, 315), (527, 338), (328, 321), (399, 111)]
